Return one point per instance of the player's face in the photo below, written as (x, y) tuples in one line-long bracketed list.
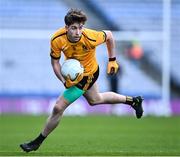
[(74, 32)]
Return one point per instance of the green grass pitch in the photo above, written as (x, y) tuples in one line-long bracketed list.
[(93, 136)]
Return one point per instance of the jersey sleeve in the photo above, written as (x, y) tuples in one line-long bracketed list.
[(95, 37), (55, 50), (100, 37)]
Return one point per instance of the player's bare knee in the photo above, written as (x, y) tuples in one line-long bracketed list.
[(95, 100), (58, 109), (92, 102)]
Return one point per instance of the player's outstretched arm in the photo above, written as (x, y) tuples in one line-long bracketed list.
[(112, 67), (110, 44)]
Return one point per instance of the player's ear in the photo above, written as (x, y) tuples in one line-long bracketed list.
[(66, 27)]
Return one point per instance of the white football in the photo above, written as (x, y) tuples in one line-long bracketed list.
[(71, 67)]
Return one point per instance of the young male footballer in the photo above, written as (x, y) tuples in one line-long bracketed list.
[(78, 42)]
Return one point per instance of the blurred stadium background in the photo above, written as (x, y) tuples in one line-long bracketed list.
[(147, 37)]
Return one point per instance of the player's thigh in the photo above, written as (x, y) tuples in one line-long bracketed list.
[(69, 96), (61, 104), (92, 95)]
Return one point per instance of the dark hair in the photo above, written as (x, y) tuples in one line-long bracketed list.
[(75, 15)]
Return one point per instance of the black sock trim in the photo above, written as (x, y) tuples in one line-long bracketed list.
[(129, 100), (112, 59), (39, 139)]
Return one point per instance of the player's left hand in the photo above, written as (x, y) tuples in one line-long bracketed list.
[(70, 83), (112, 67)]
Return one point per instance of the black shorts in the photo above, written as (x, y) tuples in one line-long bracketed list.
[(88, 81)]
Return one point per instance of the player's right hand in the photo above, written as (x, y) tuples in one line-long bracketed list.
[(70, 83)]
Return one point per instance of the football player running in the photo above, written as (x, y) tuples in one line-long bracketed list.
[(78, 42)]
